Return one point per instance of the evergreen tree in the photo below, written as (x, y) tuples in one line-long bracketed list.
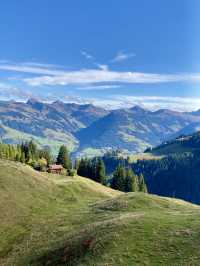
[(25, 151), (142, 185), (77, 163), (63, 158), (100, 172), (118, 181), (82, 168), (135, 184), (32, 151), (93, 169), (131, 181)]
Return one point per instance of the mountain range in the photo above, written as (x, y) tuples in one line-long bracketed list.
[(86, 128)]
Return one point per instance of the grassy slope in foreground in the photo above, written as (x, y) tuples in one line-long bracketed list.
[(38, 209), (52, 220)]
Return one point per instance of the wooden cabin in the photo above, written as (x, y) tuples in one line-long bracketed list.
[(55, 168)]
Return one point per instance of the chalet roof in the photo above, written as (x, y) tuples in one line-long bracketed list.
[(55, 167)]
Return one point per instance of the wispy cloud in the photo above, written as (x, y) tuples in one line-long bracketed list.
[(87, 55), (4, 86), (43, 75), (108, 101), (91, 58), (8, 92), (102, 67), (91, 76), (98, 87), (122, 56), (32, 68), (150, 102)]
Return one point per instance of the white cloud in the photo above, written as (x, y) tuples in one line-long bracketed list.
[(98, 87), (121, 56), (8, 92), (93, 76), (36, 64), (53, 75), (102, 67), (87, 55), (150, 102), (4, 86), (92, 58), (32, 69)]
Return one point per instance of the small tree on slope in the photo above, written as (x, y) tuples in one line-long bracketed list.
[(118, 181), (131, 181), (63, 158), (100, 172)]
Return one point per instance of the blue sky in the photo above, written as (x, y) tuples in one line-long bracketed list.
[(111, 53)]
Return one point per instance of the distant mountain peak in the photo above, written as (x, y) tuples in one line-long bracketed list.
[(35, 104), (139, 109), (197, 112), (57, 102), (166, 111), (32, 101)]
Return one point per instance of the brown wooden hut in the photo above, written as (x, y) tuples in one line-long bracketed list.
[(55, 168)]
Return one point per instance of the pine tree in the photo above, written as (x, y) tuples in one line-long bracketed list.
[(131, 181), (135, 183), (63, 158), (81, 168), (32, 150), (100, 172), (118, 181), (142, 185), (77, 163)]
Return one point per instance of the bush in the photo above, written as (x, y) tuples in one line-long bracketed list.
[(71, 172)]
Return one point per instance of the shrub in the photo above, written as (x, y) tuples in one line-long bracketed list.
[(71, 172)]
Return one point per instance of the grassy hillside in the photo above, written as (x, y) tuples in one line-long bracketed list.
[(37, 209), (56, 220)]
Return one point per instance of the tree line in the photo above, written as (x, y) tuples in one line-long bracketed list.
[(39, 159), (93, 169), (123, 178), (175, 175), (126, 180)]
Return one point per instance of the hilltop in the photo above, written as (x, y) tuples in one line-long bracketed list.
[(57, 220)]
